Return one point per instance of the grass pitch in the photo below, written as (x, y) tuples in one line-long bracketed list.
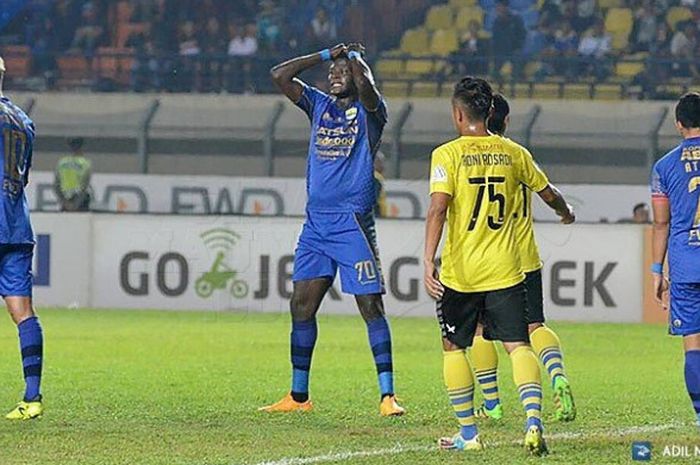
[(165, 388)]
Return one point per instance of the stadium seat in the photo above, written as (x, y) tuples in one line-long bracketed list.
[(439, 17), (18, 60), (395, 88), (620, 40), (607, 92), (577, 91), (546, 91), (418, 67), (415, 41), (459, 4), (671, 90), (619, 20), (390, 67), (520, 90), (124, 31), (444, 42), (628, 69), (607, 4), (73, 69), (424, 89), (113, 63), (676, 14), (467, 15)]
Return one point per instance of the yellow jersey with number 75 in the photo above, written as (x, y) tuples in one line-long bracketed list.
[(483, 176)]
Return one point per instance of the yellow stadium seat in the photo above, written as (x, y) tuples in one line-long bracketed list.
[(676, 14), (395, 88), (507, 69), (619, 20), (419, 67), (671, 90), (439, 17), (577, 91), (629, 69), (545, 91), (390, 67), (519, 90), (459, 4), (415, 41), (531, 68), (424, 89), (444, 42), (620, 40), (467, 15), (607, 4), (607, 92)]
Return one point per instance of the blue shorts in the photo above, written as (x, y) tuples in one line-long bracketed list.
[(685, 309), (345, 241), (16, 270)]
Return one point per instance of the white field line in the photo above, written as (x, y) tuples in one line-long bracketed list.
[(401, 449)]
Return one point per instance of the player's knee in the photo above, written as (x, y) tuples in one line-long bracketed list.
[(449, 346), (511, 346), (19, 308), (691, 342), (300, 307), (371, 306), (533, 326)]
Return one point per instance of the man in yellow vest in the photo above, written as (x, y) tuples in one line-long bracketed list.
[(72, 182)]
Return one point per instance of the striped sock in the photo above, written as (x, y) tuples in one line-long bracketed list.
[(692, 379), (460, 389), (303, 340), (546, 345), (380, 340), (526, 374), (31, 341), (485, 361)]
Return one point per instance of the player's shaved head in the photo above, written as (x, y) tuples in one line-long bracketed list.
[(475, 97), (688, 111), (2, 73), (498, 120)]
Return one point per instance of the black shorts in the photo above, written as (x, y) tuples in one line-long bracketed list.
[(502, 312), (535, 299)]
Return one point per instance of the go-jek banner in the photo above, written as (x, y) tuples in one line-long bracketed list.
[(218, 195)]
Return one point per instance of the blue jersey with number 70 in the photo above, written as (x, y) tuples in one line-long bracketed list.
[(676, 179), (16, 144)]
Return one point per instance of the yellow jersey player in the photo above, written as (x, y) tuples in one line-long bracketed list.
[(475, 182), (545, 342)]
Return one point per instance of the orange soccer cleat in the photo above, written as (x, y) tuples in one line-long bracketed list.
[(288, 404), (390, 408)]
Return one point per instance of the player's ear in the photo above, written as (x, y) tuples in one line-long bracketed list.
[(679, 127)]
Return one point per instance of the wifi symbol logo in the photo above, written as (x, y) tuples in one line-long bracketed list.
[(220, 239)]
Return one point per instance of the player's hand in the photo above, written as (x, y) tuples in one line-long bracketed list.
[(568, 216), (357, 47), (339, 51), (660, 290), (431, 279)]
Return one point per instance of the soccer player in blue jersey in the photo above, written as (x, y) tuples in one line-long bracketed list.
[(339, 233), (17, 248), (675, 190)]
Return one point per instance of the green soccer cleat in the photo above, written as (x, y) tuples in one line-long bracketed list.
[(457, 442), (566, 409), (26, 410), (535, 443), (485, 413)]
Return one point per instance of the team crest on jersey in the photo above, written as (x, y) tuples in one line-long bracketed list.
[(327, 117), (439, 174), (350, 113)]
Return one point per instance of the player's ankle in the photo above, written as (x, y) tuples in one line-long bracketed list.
[(300, 397)]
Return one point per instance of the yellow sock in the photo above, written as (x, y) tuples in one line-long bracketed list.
[(485, 361), (460, 388), (546, 345), (526, 374)]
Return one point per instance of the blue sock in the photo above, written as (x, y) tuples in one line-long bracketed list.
[(31, 342), (303, 339), (468, 432), (380, 341), (692, 379)]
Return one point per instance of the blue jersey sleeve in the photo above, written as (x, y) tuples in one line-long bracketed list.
[(310, 99), (658, 188)]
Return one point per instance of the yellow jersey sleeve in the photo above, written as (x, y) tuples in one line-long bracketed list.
[(531, 174), (442, 172)]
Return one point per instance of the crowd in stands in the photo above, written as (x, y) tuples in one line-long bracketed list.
[(178, 45)]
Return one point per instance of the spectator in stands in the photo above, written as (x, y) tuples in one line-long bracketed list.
[(91, 33), (509, 38), (72, 179), (43, 46), (640, 214), (189, 53), (242, 47), (683, 47), (213, 45), (145, 69), (269, 22), (322, 29), (594, 50), (65, 15), (472, 56), (566, 47), (644, 28), (586, 14)]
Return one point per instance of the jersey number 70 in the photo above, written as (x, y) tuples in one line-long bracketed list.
[(491, 183)]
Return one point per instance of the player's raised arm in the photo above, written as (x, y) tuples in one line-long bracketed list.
[(284, 75), (362, 77)]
